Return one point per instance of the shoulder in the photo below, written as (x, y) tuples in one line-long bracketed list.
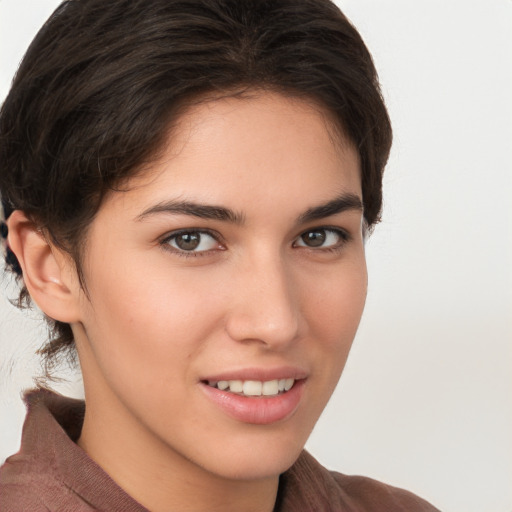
[(27, 484), (377, 496), (30, 479), (310, 486), (51, 472)]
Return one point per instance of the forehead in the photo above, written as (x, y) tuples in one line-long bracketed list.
[(249, 151)]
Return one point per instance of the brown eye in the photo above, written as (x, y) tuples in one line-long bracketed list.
[(314, 238), (192, 241), (188, 241), (322, 238)]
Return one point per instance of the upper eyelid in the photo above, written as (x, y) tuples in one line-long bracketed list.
[(172, 234), (337, 229)]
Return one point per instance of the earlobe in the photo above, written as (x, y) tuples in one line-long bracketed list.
[(48, 273)]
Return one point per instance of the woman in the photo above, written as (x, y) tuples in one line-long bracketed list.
[(187, 187)]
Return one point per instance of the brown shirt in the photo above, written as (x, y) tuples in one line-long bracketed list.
[(51, 472)]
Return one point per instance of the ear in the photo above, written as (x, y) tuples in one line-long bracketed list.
[(49, 274)]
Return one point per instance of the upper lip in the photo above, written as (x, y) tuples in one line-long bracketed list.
[(259, 373)]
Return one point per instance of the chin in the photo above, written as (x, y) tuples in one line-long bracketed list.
[(265, 466), (255, 459)]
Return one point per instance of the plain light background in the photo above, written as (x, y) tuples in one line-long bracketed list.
[(425, 400)]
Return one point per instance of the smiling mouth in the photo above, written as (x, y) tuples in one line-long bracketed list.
[(253, 388)]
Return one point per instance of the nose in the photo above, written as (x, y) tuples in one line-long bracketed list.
[(265, 304)]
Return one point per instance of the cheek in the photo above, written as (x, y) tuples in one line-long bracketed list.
[(334, 313), (332, 310), (150, 318), (338, 302)]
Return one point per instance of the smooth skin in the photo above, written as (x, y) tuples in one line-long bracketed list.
[(272, 282)]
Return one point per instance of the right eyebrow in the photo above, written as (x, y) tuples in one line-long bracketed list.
[(201, 211), (338, 205)]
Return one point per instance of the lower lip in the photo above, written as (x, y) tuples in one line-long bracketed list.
[(261, 410)]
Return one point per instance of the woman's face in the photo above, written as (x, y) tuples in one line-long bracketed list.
[(234, 266)]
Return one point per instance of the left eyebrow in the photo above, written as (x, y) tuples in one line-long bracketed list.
[(201, 211), (340, 204)]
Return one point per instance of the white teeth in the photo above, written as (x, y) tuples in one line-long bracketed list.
[(270, 388), (223, 384), (254, 387), (236, 386)]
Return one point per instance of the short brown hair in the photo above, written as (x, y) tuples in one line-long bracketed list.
[(102, 81)]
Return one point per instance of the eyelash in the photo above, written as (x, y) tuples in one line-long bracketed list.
[(343, 235)]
